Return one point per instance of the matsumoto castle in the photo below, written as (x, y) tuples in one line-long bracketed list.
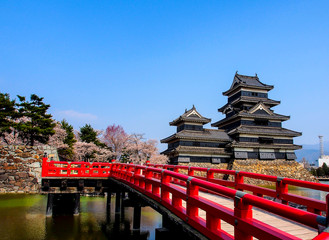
[(250, 129)]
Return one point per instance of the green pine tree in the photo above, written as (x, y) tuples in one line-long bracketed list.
[(313, 172), (40, 125), (319, 172), (89, 135), (7, 114), (325, 169), (69, 140)]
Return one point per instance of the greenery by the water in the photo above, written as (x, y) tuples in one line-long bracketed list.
[(22, 216)]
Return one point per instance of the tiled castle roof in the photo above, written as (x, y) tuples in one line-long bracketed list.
[(206, 134), (247, 81), (191, 115)]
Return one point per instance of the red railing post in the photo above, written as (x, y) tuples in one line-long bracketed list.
[(129, 172), (242, 211), (177, 171), (210, 174), (238, 180), (190, 171), (44, 170), (192, 190), (148, 175), (165, 180), (212, 222), (142, 179), (136, 175), (281, 189)]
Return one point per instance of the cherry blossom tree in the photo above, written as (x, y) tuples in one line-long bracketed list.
[(116, 139), (57, 140), (141, 151), (13, 137), (89, 151)]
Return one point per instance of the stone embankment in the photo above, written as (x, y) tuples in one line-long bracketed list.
[(20, 167), (281, 168)]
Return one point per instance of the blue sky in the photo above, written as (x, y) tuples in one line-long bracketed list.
[(141, 63)]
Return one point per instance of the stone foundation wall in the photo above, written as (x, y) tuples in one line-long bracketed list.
[(20, 167), (282, 168), (205, 165)]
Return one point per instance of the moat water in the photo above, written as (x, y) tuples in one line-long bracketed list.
[(22, 216)]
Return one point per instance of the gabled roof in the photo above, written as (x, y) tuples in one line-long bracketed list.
[(205, 135), (247, 81), (191, 115), (246, 114), (260, 108), (247, 99)]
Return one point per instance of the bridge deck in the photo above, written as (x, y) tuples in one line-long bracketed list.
[(288, 226)]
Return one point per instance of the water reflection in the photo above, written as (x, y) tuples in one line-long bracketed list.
[(23, 217), (315, 194)]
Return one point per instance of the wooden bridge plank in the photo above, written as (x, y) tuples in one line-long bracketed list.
[(280, 223)]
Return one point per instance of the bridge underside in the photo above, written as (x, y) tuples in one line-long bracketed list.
[(175, 226)]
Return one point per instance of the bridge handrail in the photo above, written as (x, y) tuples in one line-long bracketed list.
[(241, 214), (280, 192), (74, 169)]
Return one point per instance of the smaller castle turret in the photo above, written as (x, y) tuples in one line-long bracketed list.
[(193, 143)]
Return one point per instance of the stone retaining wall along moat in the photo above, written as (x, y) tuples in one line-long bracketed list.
[(20, 167)]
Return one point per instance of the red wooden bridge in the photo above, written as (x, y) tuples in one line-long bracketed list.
[(217, 208)]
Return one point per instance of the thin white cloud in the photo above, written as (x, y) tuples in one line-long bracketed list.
[(77, 115)]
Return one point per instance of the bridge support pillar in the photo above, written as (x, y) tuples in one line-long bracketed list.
[(137, 218), (123, 196), (108, 206), (117, 202), (76, 209), (50, 205), (162, 234)]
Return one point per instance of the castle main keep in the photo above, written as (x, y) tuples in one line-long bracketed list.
[(250, 130)]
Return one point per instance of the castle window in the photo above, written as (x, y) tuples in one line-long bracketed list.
[(261, 122), (265, 140)]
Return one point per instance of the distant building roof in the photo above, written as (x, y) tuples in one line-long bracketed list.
[(206, 135), (191, 116), (247, 81)]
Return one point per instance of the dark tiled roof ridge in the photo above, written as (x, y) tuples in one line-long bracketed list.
[(241, 78), (245, 76), (185, 117)]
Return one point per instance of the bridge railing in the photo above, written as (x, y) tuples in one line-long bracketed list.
[(74, 169), (280, 191), (186, 202)]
